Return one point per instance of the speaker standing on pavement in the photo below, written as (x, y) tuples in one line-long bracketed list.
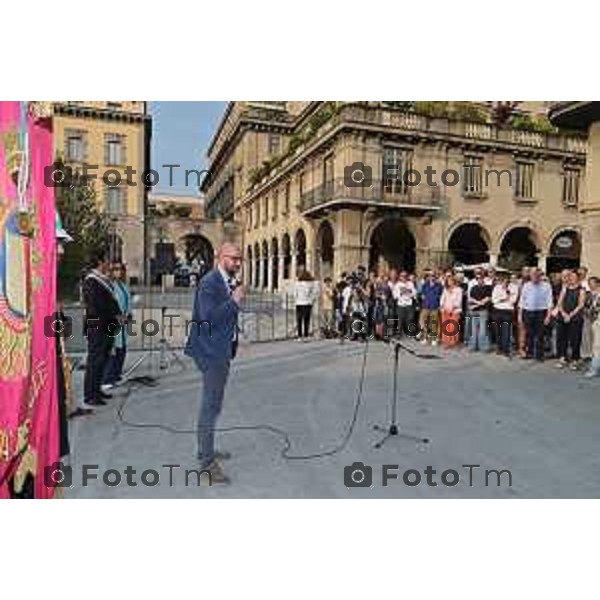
[(212, 343)]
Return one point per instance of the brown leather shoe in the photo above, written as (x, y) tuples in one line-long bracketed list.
[(219, 455), (217, 477)]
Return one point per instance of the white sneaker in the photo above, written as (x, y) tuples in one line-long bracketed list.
[(424, 341), (434, 342), (590, 374), (106, 387)]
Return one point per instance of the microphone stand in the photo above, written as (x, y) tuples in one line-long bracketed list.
[(393, 429)]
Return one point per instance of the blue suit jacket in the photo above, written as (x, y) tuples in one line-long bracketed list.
[(214, 321)]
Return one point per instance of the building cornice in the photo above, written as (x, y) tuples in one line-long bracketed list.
[(500, 139), (93, 112)]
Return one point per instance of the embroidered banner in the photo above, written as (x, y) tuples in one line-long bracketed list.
[(28, 396)]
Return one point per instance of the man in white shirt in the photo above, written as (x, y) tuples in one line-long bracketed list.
[(504, 299), (405, 293), (535, 306)]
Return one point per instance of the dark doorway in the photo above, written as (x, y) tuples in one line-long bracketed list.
[(565, 252), (518, 249), (325, 241), (467, 245), (286, 249), (300, 247), (265, 264), (392, 246)]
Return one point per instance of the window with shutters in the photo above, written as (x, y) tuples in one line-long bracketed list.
[(524, 181), (328, 176), (116, 200), (75, 145), (473, 176), (301, 186), (275, 210), (274, 144), (286, 199), (114, 149), (571, 184), (397, 162)]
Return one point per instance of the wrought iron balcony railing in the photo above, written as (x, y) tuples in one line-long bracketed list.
[(337, 193)]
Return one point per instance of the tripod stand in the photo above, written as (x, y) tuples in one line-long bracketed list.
[(167, 352), (393, 429)]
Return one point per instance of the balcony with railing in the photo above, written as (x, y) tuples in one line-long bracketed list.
[(337, 194), (384, 120)]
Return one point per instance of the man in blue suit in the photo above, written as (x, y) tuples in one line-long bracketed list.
[(212, 343)]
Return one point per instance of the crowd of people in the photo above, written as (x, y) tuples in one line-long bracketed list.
[(527, 314)]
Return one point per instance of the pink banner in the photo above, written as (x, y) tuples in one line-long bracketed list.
[(28, 395)]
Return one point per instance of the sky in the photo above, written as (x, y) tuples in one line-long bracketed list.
[(181, 133)]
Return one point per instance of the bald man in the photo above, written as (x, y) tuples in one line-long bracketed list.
[(212, 343)]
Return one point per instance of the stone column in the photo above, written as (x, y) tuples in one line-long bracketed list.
[(259, 264), (542, 261), (269, 272), (590, 255)]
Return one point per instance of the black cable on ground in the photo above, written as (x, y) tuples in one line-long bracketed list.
[(285, 452)]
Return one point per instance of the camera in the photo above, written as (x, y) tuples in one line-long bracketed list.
[(58, 175), (58, 475), (358, 475), (358, 175)]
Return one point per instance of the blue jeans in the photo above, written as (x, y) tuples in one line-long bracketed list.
[(478, 331), (214, 380)]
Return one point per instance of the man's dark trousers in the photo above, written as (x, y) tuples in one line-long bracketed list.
[(99, 345), (534, 325), (214, 379)]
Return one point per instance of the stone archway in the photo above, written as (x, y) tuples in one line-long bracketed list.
[(199, 248), (392, 245), (469, 244), (564, 251), (265, 264), (249, 265), (519, 248), (256, 265), (286, 252), (300, 249), (325, 250)]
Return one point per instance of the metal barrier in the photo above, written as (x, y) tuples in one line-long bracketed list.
[(161, 320)]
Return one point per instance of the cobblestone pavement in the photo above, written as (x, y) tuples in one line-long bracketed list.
[(541, 424)]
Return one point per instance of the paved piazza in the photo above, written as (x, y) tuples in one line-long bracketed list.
[(539, 423)]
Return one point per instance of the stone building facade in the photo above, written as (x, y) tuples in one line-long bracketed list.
[(108, 137), (334, 185), (585, 116)]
